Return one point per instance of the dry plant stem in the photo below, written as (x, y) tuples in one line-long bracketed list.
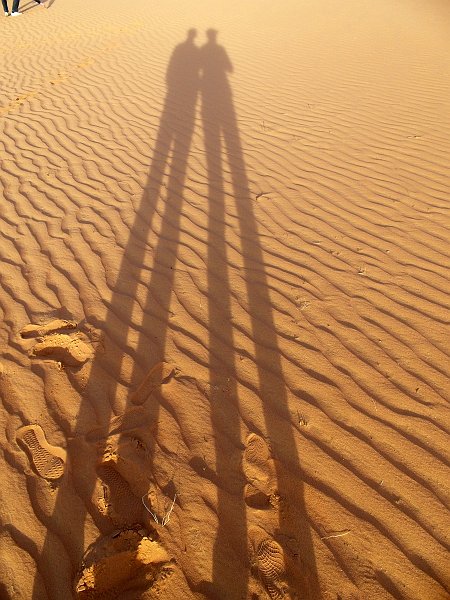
[(166, 517), (334, 535), (147, 508)]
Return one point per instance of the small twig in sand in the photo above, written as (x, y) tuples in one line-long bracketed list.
[(335, 535), (166, 517)]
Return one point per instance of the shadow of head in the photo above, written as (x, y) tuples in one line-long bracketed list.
[(215, 66), (211, 35), (184, 66), (191, 35)]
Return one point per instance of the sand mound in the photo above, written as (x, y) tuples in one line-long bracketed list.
[(126, 561)]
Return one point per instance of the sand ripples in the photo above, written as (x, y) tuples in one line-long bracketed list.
[(282, 246)]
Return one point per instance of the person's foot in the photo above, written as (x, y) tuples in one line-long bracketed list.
[(16, 14), (6, 14)]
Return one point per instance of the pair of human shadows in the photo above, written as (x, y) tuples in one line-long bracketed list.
[(192, 73)]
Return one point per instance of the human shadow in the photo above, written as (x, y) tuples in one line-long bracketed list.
[(151, 283), (223, 148), (171, 151), (230, 564)]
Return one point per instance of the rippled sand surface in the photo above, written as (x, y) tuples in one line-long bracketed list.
[(224, 300)]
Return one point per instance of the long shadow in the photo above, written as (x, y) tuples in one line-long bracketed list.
[(171, 153), (167, 179), (223, 146), (230, 548)]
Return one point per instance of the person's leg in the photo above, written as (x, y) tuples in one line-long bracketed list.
[(5, 6), (15, 7)]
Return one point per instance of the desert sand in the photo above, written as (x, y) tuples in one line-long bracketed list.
[(224, 300)]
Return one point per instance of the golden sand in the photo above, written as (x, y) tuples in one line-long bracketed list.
[(225, 300)]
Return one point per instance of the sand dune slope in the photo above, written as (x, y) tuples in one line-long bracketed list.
[(224, 299)]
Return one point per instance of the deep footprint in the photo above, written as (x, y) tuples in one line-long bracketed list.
[(119, 502), (254, 498), (48, 461)]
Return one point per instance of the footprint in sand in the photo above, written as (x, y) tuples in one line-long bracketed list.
[(53, 342), (70, 351), (259, 470), (55, 326), (124, 562), (159, 374), (118, 502), (47, 460), (268, 561)]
